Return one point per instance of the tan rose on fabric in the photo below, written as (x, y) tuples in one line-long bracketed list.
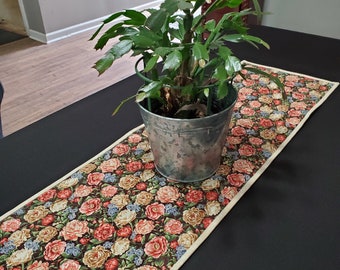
[(36, 214), (193, 216), (144, 146), (210, 184), (282, 108), (128, 182), (281, 129), (19, 257), (68, 183), (120, 246), (124, 217), (19, 237), (58, 206), (147, 267), (120, 200), (46, 234), (187, 239), (147, 174), (212, 208), (147, 157), (110, 165), (224, 169), (96, 257), (88, 168), (269, 147), (266, 109), (268, 134), (144, 198), (229, 192)]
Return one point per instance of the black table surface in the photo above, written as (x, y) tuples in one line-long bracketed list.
[(289, 219)]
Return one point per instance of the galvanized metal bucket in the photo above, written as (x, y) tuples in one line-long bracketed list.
[(187, 150)]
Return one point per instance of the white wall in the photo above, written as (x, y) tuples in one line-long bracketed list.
[(319, 17), (50, 20)]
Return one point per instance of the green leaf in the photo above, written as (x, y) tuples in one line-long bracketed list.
[(156, 20), (183, 4), (170, 6), (173, 60), (121, 48), (224, 52), (137, 18), (200, 51), (222, 89), (151, 87), (210, 25), (104, 63), (220, 73), (151, 63), (232, 65)]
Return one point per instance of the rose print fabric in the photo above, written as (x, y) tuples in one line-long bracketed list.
[(117, 212)]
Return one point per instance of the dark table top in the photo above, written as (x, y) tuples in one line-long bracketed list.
[(289, 219)]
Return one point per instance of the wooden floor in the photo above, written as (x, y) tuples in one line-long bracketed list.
[(40, 79)]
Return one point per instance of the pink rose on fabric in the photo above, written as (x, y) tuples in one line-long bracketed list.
[(95, 178), (54, 249), (248, 82), (11, 225), (48, 195), (121, 149), (82, 191), (109, 191), (246, 123), (229, 192), (134, 166), (255, 141), (243, 166), (104, 231), (168, 194), (38, 265), (294, 113), (264, 91), (156, 247), (293, 121), (234, 140), (173, 226), (236, 179), (110, 165), (298, 96), (144, 226), (238, 131), (155, 210), (90, 206), (74, 229), (247, 111), (298, 105), (246, 150), (70, 265), (134, 138), (255, 104)]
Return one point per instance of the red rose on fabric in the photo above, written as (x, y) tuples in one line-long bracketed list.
[(95, 178), (121, 149), (134, 166), (125, 231), (149, 166), (211, 195), (64, 194), (236, 179), (255, 141), (264, 91), (280, 138), (266, 123), (54, 249), (141, 186), (174, 244), (206, 222), (155, 210), (47, 220), (243, 166), (104, 231), (194, 196), (90, 206), (111, 264), (48, 195), (229, 192), (84, 241), (247, 111), (156, 247)]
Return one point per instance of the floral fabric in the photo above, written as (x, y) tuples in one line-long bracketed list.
[(117, 212)]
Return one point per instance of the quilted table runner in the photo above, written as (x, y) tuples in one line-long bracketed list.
[(116, 212)]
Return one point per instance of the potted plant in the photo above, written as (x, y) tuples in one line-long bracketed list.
[(188, 96)]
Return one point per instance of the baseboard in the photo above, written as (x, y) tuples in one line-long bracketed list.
[(76, 29)]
